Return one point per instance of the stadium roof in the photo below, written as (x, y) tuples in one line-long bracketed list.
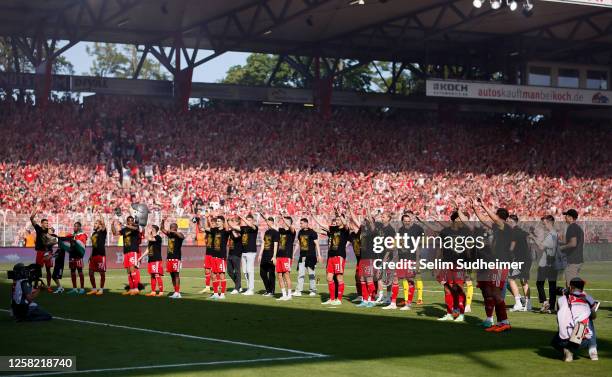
[(429, 31)]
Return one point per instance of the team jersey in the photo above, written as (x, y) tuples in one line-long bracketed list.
[(131, 240), (154, 249), (452, 254), (175, 244), (249, 239), (270, 237), (521, 245), (98, 243), (234, 244), (220, 243), (502, 238), (367, 241), (306, 240), (39, 244), (338, 237), (286, 238), (413, 230), (210, 236)]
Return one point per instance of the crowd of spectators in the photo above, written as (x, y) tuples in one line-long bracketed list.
[(108, 154)]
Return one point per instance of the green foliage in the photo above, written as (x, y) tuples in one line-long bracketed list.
[(257, 71), (7, 61), (112, 60)]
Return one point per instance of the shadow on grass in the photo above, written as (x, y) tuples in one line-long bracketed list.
[(342, 333)]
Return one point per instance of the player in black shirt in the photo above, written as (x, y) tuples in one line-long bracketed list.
[(411, 230), (248, 231), (43, 258), (500, 249), (519, 249), (283, 256), (131, 242), (173, 257), (234, 257), (97, 260), (154, 261), (453, 278), (267, 250), (367, 231), (220, 233), (310, 254), (338, 235)]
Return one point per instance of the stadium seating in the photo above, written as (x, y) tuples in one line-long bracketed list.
[(112, 153)]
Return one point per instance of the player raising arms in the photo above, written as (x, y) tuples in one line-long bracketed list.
[(78, 239), (97, 260), (500, 249), (338, 235), (203, 223), (173, 256), (309, 255), (267, 250), (220, 235), (248, 231), (154, 261), (365, 265), (284, 254), (43, 257), (452, 278), (131, 241), (411, 230)]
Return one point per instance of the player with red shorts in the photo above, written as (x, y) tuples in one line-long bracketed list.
[(221, 234), (338, 236), (155, 266), (131, 242), (209, 253), (173, 256), (406, 273), (75, 258), (43, 256), (97, 261), (364, 271), (495, 280), (452, 279), (282, 258)]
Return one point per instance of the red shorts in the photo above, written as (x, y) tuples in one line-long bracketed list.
[(208, 261), (219, 265), (97, 263), (366, 268), (452, 276), (283, 264), (496, 278), (405, 273), (335, 265), (74, 263), (130, 259), (173, 265), (155, 268), (42, 261)]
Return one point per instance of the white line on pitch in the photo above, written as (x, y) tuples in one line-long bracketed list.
[(187, 336)]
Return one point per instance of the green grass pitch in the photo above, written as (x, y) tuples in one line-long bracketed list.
[(156, 336)]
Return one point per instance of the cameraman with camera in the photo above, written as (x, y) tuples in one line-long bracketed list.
[(24, 291), (577, 310)]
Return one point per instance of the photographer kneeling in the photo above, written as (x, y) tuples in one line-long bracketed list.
[(23, 294), (575, 316)]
